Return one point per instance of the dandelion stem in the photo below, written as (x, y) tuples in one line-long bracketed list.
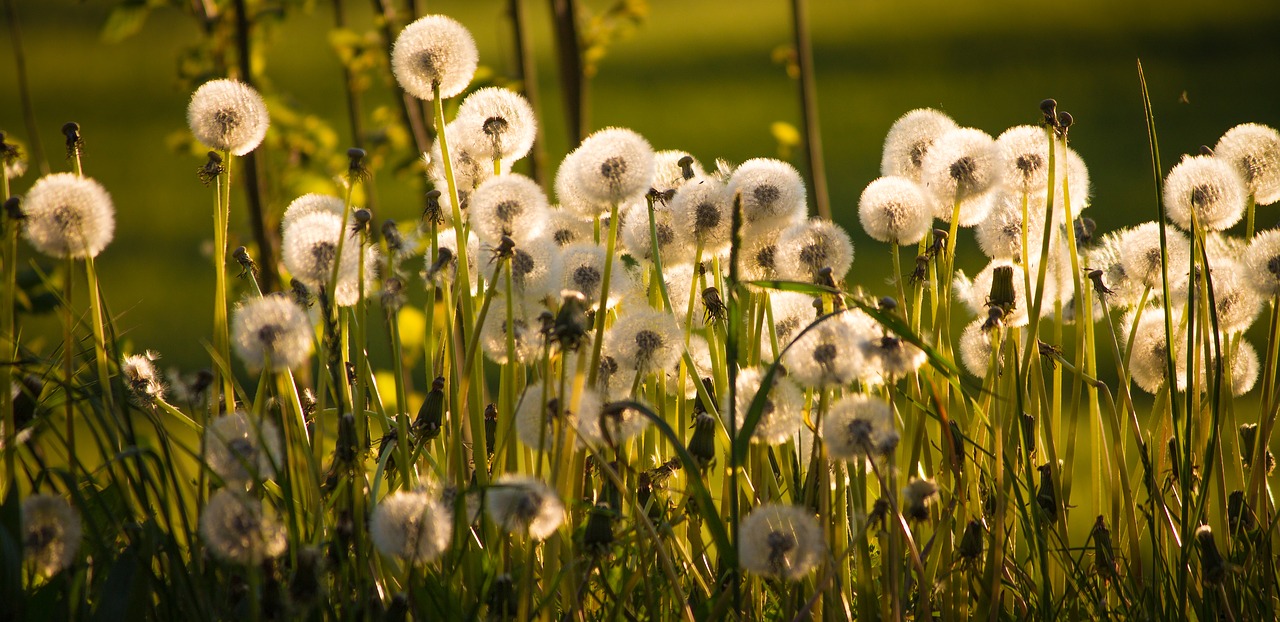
[(611, 244)]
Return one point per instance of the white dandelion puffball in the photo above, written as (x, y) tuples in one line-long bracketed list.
[(498, 122), (772, 192), (1262, 262), (783, 407), (780, 541), (1244, 369), (569, 190), (895, 210), (412, 526), (1255, 151), (1140, 254), (565, 227), (309, 248), (859, 427), (470, 169), (829, 354), (1236, 302), (310, 204), (637, 235), (68, 216), (613, 164), (434, 50), (582, 271), (792, 312), (228, 115), (448, 240), (535, 269), (681, 281), (141, 376), (1105, 255), (644, 339), (241, 450), (608, 426), (542, 416), (758, 258), (963, 165), (508, 205), (975, 348), (1209, 187), (976, 292), (805, 249), (909, 139), (894, 357), (668, 174), (51, 533), (523, 327), (917, 497), (274, 331), (702, 210), (1000, 233), (524, 505), (1024, 158), (237, 528), (1148, 360)]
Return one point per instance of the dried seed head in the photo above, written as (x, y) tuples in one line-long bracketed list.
[(228, 116), (1255, 152), (413, 526), (239, 529), (895, 210), (241, 450), (859, 427), (781, 541), (524, 505), (66, 215), (272, 331), (772, 193), (434, 50), (910, 139), (1210, 188), (51, 533)]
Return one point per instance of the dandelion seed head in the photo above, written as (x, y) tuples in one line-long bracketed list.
[(792, 312), (349, 282), (917, 497), (535, 269), (1024, 156), (564, 227), (1000, 233), (859, 427), (309, 248), (68, 216), (781, 541), (227, 115), (470, 169), (612, 165), (496, 121), (523, 328), (241, 450), (783, 409), (51, 533), (1237, 303), (963, 165), (678, 278), (637, 237), (141, 376), (978, 291), (542, 415), (702, 213), (668, 174), (1209, 187), (828, 355), (1262, 262), (1148, 359), (1255, 152), (1072, 176), (1126, 291), (237, 528), (434, 49), (805, 249), (509, 205), (758, 258), (772, 191), (570, 192), (895, 210), (310, 204), (525, 506), (412, 526), (1140, 254), (448, 239), (644, 339), (272, 330), (909, 139), (975, 348), (607, 426), (583, 272), (892, 356)]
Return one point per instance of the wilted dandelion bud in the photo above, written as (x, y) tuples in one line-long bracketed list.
[(1024, 158), (524, 505), (212, 168), (909, 139), (497, 122), (360, 220), (1047, 495), (805, 249), (1240, 516), (1209, 187), (272, 331), (1008, 292), (434, 50), (12, 158), (670, 166), (1212, 564), (50, 533), (702, 443), (75, 142), (1249, 436), (772, 192), (141, 377), (1050, 109), (962, 166), (783, 406), (1104, 554), (237, 528), (357, 169), (781, 542), (970, 547), (431, 414), (917, 497), (1065, 121), (243, 450), (1255, 152), (613, 164), (597, 537), (68, 216), (895, 210), (859, 427), (228, 115), (411, 526)]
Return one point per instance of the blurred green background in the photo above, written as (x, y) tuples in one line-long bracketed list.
[(695, 75)]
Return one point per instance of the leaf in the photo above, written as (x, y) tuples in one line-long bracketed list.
[(124, 22), (794, 286)]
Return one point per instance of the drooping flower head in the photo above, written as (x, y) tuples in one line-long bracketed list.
[(498, 122), (644, 339), (859, 427), (805, 249), (413, 526), (240, 450), (228, 115), (1211, 188), (895, 210), (917, 497), (434, 49), (238, 529), (613, 164), (772, 192), (909, 139), (780, 541), (962, 165), (783, 407), (1255, 151), (50, 533), (68, 216), (272, 330), (524, 505), (509, 205)]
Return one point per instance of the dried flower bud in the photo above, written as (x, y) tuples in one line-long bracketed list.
[(75, 142), (431, 414), (1239, 515), (702, 445), (1213, 566), (1104, 554), (597, 537), (1046, 495), (971, 542)]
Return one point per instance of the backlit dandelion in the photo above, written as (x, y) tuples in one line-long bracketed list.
[(1140, 254), (237, 528), (805, 249), (1262, 262), (68, 216), (542, 416), (508, 205), (310, 249), (772, 192), (228, 115), (1024, 158), (917, 497), (1149, 356), (962, 166), (535, 269), (669, 170), (241, 450), (1211, 188), (272, 331), (859, 427), (892, 356), (412, 526), (637, 235), (644, 339), (613, 164), (780, 542), (702, 212), (496, 121), (564, 227), (828, 354), (310, 204), (525, 506), (909, 140), (758, 258), (895, 210), (51, 533), (523, 330), (783, 406), (975, 348), (610, 425), (142, 378), (1000, 233), (1236, 303), (434, 50), (582, 265), (1255, 152), (792, 312)]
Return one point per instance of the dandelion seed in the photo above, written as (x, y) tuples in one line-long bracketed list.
[(1148, 359), (51, 533), (412, 526), (859, 427), (895, 210), (524, 505), (68, 216), (781, 542), (909, 139), (241, 450), (612, 165), (496, 121), (228, 115), (1262, 262), (310, 204), (273, 331), (783, 407), (509, 205), (828, 354), (772, 191), (644, 339), (238, 529), (434, 50), (542, 419), (1000, 233), (1255, 151), (805, 249), (1024, 158), (963, 165), (142, 378), (1209, 187), (917, 496)]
